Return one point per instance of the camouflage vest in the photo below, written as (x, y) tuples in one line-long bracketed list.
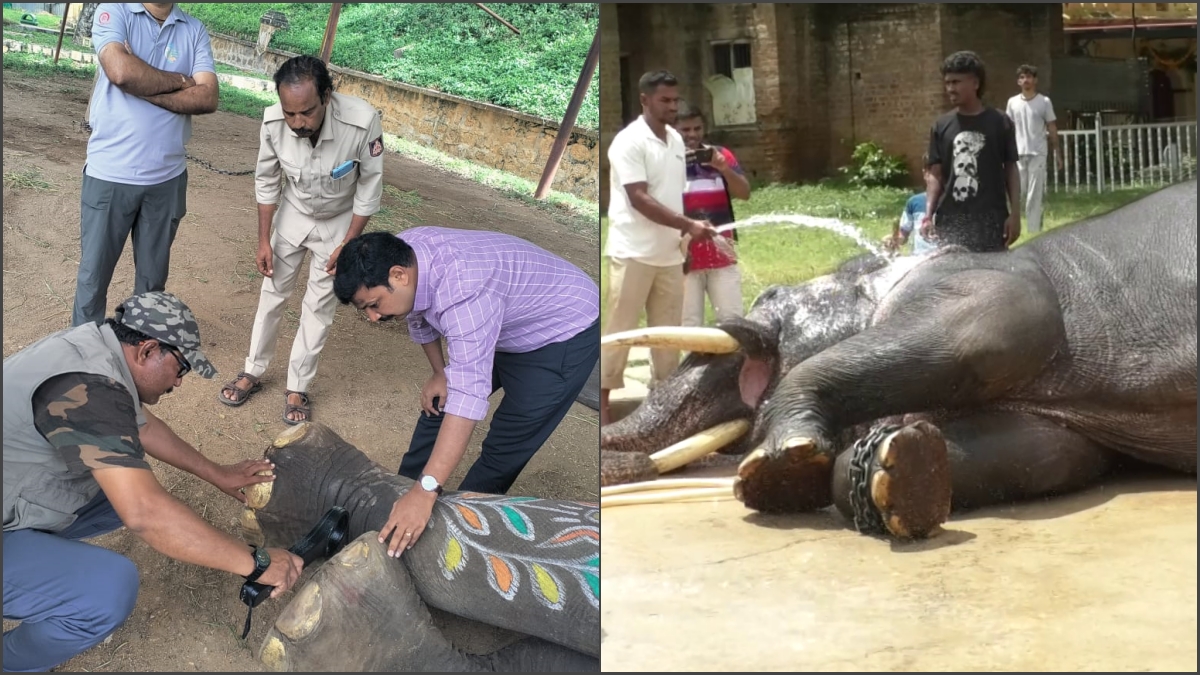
[(39, 493)]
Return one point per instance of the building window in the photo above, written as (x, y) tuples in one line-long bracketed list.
[(732, 84), (730, 55)]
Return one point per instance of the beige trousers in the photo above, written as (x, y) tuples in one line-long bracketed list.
[(724, 288), (319, 303), (632, 287)]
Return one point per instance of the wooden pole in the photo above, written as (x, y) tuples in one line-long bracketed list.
[(497, 17), (330, 31), (62, 28), (568, 122)]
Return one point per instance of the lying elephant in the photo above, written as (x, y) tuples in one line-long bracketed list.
[(901, 391), (518, 563)]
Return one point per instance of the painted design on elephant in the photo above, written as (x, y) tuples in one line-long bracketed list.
[(472, 517)]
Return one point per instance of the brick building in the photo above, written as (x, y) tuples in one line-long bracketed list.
[(791, 88)]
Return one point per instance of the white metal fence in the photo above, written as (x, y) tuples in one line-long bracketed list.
[(1130, 155)]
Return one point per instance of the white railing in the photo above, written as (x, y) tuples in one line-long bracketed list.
[(1130, 155)]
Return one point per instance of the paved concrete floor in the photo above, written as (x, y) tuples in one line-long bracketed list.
[(1103, 580)]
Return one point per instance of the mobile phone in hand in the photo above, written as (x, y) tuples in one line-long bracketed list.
[(699, 156)]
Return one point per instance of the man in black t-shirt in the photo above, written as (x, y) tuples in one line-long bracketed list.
[(974, 196)]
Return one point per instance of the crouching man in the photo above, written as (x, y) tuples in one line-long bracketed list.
[(76, 436)]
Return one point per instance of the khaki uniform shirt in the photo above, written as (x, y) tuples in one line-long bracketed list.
[(302, 173)]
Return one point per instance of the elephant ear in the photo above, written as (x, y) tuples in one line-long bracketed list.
[(760, 344)]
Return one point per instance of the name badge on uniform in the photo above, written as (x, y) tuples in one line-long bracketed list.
[(341, 170)]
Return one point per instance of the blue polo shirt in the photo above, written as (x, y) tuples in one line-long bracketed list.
[(134, 141)]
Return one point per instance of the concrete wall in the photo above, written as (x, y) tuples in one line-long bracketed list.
[(486, 134)]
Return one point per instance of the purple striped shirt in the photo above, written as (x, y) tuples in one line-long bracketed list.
[(488, 292)]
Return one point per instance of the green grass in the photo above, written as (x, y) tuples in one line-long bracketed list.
[(37, 65), (244, 102), (27, 179), (44, 19), (577, 215), (451, 47), (230, 70), (395, 211), (38, 37), (230, 99), (773, 256)]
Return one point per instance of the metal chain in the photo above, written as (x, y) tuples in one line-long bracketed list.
[(223, 172), (867, 519)]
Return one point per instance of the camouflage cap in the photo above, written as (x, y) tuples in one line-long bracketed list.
[(165, 318)]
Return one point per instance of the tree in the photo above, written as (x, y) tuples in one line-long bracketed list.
[(83, 27)]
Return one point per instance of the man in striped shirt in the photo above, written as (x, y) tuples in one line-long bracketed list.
[(712, 184), (514, 316)]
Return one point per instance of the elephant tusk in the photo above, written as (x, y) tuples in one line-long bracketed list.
[(666, 484), (668, 496), (702, 444), (694, 339)]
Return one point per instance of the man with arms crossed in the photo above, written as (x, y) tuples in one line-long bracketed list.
[(1033, 117), (156, 71), (514, 316), (324, 151), (645, 225), (76, 436)]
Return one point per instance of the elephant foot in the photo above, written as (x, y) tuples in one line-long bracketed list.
[(793, 478), (898, 481), (360, 612)]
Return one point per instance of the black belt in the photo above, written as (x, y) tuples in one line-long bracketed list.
[(323, 541)]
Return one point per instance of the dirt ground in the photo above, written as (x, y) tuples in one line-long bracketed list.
[(188, 618)]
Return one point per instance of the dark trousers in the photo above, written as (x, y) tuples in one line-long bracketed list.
[(109, 213), (68, 595), (539, 388)]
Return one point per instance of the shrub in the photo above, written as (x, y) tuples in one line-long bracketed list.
[(870, 166)]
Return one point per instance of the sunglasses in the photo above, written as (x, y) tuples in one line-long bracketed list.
[(184, 366)]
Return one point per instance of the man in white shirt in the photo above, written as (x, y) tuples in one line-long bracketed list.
[(1033, 116), (645, 227)]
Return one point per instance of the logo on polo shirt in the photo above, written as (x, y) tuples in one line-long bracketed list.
[(104, 18), (171, 54)]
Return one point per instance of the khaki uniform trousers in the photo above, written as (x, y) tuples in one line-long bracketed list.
[(632, 287), (319, 305)]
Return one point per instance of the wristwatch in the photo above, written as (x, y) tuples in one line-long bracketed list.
[(262, 560), (430, 484)]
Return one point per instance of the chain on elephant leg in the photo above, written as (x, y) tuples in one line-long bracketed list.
[(895, 480)]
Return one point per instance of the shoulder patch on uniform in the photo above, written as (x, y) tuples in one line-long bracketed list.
[(376, 147)]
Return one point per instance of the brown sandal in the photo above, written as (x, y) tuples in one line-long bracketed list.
[(240, 396), (303, 408)]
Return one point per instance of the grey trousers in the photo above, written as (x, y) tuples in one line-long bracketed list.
[(109, 213)]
